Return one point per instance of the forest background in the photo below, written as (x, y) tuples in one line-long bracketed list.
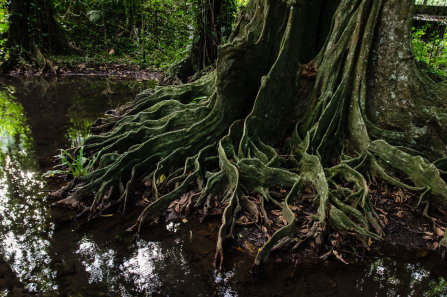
[(155, 34)]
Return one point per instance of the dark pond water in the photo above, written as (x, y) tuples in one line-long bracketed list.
[(51, 254)]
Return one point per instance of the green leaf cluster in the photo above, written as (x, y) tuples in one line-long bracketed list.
[(145, 32), (76, 165), (430, 50)]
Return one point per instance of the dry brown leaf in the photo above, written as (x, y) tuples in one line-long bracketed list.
[(240, 249), (283, 220), (382, 211), (439, 231), (184, 198), (276, 212), (401, 195), (250, 247), (384, 219), (339, 257), (177, 208), (173, 203)]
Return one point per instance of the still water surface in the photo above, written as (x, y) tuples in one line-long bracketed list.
[(51, 254)]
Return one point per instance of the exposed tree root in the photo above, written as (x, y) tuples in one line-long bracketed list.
[(220, 134)]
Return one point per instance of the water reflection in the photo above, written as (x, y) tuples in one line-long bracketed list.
[(24, 220), (33, 116), (14, 133), (393, 278), (149, 267)]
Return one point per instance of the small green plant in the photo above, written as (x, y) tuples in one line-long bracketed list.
[(77, 166), (430, 51), (198, 99)]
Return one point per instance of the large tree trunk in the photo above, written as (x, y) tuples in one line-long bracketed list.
[(333, 84), (33, 32)]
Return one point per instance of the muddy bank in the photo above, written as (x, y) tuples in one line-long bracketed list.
[(122, 71)]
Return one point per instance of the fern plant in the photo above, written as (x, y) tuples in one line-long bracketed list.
[(77, 165)]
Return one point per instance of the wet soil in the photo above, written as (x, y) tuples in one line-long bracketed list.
[(114, 71)]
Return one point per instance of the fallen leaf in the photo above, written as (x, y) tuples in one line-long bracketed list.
[(370, 241), (184, 198), (243, 220), (250, 247), (173, 203), (276, 212), (107, 215), (439, 231), (284, 221), (339, 257), (240, 249), (185, 221), (161, 179)]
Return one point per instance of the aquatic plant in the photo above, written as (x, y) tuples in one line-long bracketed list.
[(77, 165)]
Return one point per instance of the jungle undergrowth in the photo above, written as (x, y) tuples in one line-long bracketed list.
[(76, 165)]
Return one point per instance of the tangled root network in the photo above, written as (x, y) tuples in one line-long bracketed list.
[(301, 115)]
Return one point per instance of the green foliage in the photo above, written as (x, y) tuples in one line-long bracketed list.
[(3, 30), (145, 32), (432, 2), (198, 99), (431, 51), (77, 165)]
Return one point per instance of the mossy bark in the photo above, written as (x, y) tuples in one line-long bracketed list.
[(34, 32), (334, 83)]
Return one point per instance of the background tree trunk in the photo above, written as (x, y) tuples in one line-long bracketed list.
[(214, 22), (33, 32)]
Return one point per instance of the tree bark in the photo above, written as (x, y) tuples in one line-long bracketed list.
[(316, 97), (33, 31)]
